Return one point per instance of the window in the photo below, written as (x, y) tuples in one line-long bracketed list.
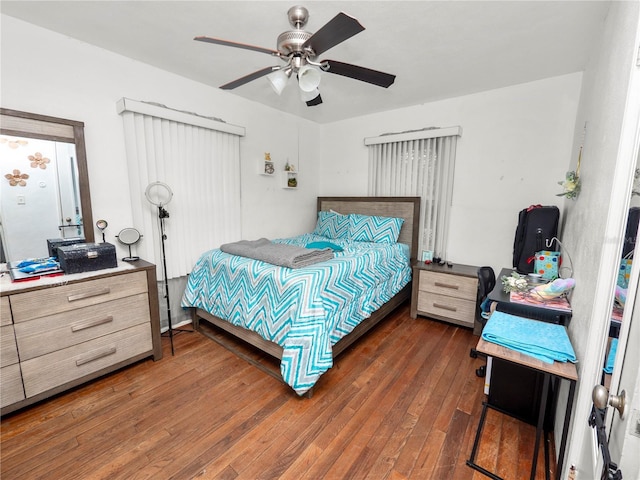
[(418, 163), (199, 159)]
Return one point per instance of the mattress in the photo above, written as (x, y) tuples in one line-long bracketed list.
[(307, 310)]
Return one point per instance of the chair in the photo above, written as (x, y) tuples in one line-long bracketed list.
[(486, 282)]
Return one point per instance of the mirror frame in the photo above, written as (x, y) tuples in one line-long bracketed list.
[(43, 127)]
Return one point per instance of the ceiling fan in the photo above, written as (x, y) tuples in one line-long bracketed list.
[(299, 50)]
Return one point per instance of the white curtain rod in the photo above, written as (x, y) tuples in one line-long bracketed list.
[(128, 105), (414, 135)]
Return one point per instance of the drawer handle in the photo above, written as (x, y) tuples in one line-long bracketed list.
[(82, 296), (445, 307), (446, 285), (91, 323), (97, 355)]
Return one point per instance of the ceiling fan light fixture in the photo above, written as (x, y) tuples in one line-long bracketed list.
[(308, 96), (278, 80), (308, 78)]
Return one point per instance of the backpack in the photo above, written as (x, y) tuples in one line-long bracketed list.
[(537, 226), (631, 232)]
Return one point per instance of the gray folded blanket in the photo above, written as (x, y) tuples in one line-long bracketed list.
[(280, 254)]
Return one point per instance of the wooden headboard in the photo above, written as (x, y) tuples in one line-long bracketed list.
[(400, 207)]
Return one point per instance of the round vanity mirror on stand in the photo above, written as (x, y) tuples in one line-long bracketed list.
[(128, 237), (102, 225)]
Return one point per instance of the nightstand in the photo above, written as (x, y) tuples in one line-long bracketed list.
[(445, 293)]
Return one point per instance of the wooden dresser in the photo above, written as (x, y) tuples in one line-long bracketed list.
[(60, 332), (445, 293)]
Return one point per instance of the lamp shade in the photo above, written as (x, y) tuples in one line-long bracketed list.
[(278, 80), (308, 78), (307, 96)]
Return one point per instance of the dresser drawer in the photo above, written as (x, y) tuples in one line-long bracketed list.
[(447, 284), (54, 332), (458, 310), (8, 350), (5, 311), (12, 390), (41, 303), (57, 368)]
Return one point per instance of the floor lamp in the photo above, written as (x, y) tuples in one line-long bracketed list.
[(160, 194)]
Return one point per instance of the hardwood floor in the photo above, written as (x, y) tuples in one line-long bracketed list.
[(402, 403)]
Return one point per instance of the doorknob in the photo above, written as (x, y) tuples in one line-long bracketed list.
[(601, 398)]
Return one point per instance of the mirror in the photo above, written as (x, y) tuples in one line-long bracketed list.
[(45, 191), (621, 290), (128, 237)]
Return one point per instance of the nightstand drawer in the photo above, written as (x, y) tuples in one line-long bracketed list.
[(8, 349), (5, 311), (41, 303), (12, 390), (57, 368), (447, 284), (459, 310), (54, 332)]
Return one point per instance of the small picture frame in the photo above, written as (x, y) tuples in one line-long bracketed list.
[(427, 255)]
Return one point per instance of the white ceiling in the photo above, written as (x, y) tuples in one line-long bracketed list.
[(436, 49)]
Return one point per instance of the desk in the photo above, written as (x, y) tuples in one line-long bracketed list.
[(504, 304), (557, 370)]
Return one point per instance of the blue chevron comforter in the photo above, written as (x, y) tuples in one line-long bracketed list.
[(307, 310)]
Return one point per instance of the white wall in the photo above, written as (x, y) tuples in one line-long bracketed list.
[(515, 146), (47, 73)]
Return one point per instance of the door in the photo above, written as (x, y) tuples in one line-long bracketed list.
[(624, 437), (623, 430)]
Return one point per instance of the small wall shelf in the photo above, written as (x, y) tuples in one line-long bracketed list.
[(267, 168), (290, 180)]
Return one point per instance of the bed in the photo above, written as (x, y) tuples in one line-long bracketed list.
[(305, 317)]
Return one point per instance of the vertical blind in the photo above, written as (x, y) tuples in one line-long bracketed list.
[(419, 163), (201, 165)]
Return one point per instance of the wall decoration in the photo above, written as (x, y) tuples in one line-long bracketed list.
[(269, 168), (38, 161), (17, 179), (571, 184), (13, 143), (291, 175)]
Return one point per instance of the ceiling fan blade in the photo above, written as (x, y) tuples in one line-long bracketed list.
[(314, 101), (227, 43), (363, 74), (337, 30), (247, 78)]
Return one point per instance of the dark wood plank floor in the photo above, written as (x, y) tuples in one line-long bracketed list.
[(403, 403)]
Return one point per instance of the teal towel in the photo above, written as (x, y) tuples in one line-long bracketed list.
[(547, 342), (324, 245), (611, 358)]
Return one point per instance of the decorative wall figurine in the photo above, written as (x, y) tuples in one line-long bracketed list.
[(37, 160), (16, 178), (571, 184), (13, 143)]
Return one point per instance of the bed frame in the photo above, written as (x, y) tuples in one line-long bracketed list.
[(402, 207)]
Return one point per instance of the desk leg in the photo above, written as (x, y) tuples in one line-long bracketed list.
[(540, 426), (565, 428), (472, 459)]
